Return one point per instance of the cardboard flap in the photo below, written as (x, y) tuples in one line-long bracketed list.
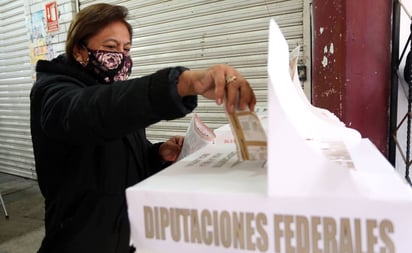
[(293, 125)]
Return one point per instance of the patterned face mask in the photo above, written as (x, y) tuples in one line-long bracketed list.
[(109, 66)]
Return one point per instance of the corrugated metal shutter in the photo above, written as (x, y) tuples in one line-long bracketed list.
[(16, 153), (197, 34)]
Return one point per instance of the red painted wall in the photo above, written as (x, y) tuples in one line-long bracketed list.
[(351, 64)]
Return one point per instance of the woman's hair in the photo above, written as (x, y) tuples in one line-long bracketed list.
[(90, 21)]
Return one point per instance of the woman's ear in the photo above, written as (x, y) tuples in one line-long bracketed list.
[(80, 54)]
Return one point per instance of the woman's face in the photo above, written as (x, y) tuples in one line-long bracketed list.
[(115, 38)]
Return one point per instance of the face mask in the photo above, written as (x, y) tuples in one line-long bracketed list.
[(109, 66)]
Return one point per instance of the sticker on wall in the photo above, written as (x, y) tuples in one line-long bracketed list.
[(52, 17)]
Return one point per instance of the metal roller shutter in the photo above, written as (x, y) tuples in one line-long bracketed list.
[(16, 153), (197, 34)]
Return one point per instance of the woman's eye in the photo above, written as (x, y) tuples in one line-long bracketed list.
[(112, 48)]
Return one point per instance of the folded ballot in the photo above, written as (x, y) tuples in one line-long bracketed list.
[(198, 135)]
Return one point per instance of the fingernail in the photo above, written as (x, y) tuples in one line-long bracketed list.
[(219, 101)]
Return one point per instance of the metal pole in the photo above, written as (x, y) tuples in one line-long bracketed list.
[(393, 115), (4, 207)]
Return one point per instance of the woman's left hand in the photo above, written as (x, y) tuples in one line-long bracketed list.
[(170, 150)]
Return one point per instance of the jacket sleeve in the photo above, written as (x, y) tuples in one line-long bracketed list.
[(71, 111)]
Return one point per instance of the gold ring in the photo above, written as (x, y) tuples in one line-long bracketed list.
[(230, 79)]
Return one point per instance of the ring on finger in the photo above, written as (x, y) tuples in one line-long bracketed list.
[(230, 79)]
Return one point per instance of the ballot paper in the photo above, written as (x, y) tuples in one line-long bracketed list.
[(245, 130), (249, 135), (198, 135)]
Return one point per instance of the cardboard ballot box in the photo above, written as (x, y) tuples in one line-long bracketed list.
[(210, 202), (323, 188)]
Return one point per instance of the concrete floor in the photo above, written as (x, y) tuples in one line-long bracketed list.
[(24, 228)]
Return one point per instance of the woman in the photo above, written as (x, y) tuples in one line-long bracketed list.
[(88, 128)]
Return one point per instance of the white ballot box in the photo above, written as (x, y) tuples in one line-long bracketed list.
[(210, 202), (323, 188)]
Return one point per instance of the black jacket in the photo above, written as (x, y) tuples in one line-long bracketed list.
[(90, 144)]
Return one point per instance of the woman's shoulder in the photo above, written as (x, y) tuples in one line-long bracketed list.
[(61, 68), (60, 61)]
